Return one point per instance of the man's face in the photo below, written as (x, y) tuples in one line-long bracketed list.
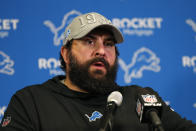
[(97, 44), (92, 62)]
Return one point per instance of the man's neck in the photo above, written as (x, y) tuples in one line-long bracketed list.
[(71, 86)]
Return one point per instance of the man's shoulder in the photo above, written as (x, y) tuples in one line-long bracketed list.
[(129, 90), (135, 89), (39, 89), (131, 87), (30, 89)]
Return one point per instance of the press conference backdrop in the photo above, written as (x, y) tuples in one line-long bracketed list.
[(159, 50)]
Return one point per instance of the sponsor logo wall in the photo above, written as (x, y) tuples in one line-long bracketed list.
[(138, 26), (7, 25), (159, 50)]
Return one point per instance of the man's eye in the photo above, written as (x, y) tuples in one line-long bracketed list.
[(90, 42)]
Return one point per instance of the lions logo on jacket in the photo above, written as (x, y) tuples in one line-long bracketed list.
[(95, 115)]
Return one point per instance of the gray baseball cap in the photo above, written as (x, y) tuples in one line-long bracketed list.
[(84, 24)]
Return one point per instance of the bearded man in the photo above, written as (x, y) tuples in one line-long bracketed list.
[(77, 101)]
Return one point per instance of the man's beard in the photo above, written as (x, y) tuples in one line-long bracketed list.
[(80, 76)]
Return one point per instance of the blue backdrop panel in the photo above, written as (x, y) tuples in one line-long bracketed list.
[(159, 49)]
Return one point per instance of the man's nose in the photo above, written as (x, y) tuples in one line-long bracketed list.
[(100, 49)]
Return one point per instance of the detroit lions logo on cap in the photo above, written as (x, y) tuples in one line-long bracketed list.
[(95, 115), (67, 34)]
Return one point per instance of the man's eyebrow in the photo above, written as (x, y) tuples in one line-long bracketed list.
[(111, 38), (90, 36)]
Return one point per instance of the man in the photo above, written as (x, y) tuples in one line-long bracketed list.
[(77, 101)]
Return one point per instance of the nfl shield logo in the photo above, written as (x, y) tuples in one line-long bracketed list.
[(149, 98)]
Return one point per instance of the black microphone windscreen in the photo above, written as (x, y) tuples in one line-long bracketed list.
[(147, 101)]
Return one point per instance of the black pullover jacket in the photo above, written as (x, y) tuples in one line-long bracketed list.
[(52, 106)]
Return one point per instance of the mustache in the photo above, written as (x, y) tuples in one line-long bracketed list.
[(106, 64)]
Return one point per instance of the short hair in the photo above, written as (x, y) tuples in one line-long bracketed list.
[(68, 46)]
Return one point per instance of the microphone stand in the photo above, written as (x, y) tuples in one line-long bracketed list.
[(114, 100), (108, 127), (106, 124), (156, 122)]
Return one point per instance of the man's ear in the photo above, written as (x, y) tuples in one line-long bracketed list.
[(64, 53)]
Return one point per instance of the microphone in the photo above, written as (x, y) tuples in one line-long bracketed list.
[(114, 100), (149, 108)]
